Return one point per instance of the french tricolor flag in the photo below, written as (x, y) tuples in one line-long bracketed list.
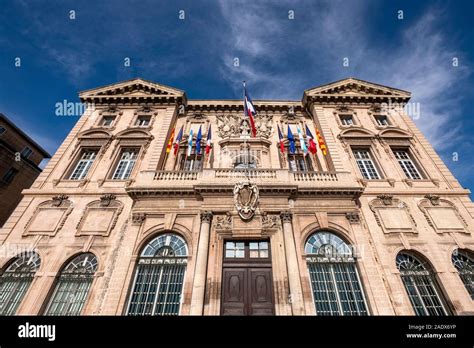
[(249, 111), (209, 141)]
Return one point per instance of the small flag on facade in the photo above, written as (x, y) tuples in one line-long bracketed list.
[(249, 111), (190, 143), (209, 140), (198, 142), (322, 145), (280, 140), (312, 145), (178, 140), (291, 140), (302, 142), (170, 142)]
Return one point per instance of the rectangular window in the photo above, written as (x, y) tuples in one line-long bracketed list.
[(107, 121), (83, 164), (258, 250), (346, 120), (191, 163), (235, 250), (381, 120), (406, 162), (9, 175), (125, 165), (366, 165), (26, 152), (143, 121), (2, 130), (299, 163)]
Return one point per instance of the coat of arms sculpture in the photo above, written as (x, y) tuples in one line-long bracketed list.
[(246, 199)]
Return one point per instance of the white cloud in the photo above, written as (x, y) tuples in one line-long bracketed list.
[(421, 63)]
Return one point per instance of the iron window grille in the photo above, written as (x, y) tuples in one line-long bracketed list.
[(16, 280), (335, 281), (464, 264), (421, 286), (72, 286), (159, 277)]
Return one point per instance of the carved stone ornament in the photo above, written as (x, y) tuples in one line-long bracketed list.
[(286, 216), (246, 199), (206, 216), (58, 200), (106, 199), (235, 125), (386, 199), (393, 215), (434, 199), (353, 217), (270, 221), (224, 222), (138, 218)]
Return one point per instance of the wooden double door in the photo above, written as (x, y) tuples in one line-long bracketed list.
[(247, 285)]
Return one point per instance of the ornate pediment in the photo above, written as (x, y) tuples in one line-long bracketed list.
[(353, 90), (395, 133), (133, 90), (356, 132)]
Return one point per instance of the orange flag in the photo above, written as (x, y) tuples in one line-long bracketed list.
[(170, 142), (322, 145)]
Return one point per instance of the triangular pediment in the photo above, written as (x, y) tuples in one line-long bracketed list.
[(355, 88), (132, 88)]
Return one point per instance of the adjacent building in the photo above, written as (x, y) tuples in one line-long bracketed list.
[(159, 205), (20, 157)]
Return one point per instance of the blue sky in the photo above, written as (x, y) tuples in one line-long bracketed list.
[(278, 56)]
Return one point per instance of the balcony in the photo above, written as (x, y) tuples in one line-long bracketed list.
[(223, 180)]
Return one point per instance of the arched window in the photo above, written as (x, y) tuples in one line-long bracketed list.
[(463, 260), (72, 286), (15, 281), (334, 278), (421, 285), (159, 277)]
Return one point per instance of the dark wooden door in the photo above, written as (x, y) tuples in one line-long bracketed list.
[(247, 285)]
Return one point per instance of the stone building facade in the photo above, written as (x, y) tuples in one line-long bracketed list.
[(20, 157), (120, 224)]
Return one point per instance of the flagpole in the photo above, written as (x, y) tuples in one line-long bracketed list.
[(245, 142)]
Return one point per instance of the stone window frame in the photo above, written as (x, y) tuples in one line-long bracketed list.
[(434, 201), (366, 141), (345, 110), (60, 202), (377, 110), (126, 139), (110, 111), (91, 139), (388, 201), (404, 141), (143, 111), (106, 202)]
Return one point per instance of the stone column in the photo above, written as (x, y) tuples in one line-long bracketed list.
[(200, 271), (296, 292)]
